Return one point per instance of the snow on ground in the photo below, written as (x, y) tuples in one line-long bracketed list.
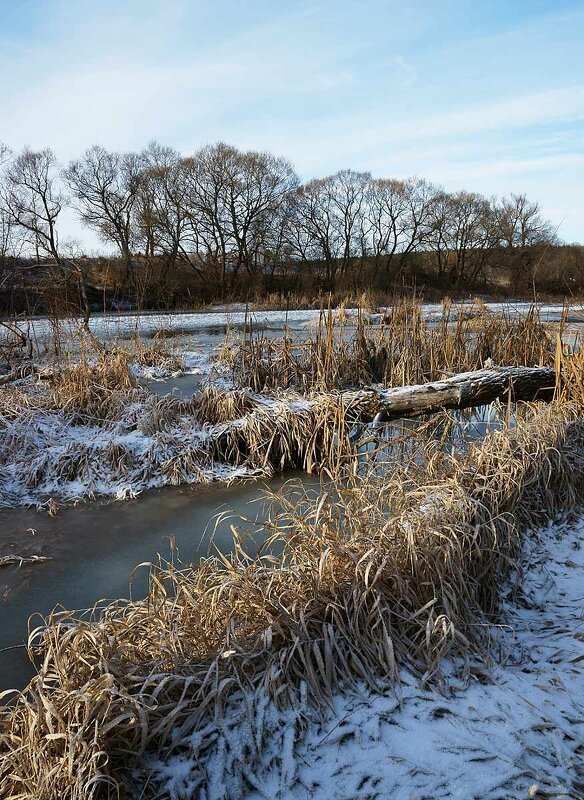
[(520, 735), (193, 363), (155, 372), (110, 326)]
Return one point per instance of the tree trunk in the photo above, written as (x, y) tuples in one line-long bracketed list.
[(465, 390)]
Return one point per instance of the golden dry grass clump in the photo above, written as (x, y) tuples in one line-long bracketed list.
[(569, 366), (156, 354), (98, 389), (108, 369), (376, 572), (100, 385), (407, 347)]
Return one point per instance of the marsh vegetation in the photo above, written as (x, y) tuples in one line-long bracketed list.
[(396, 561)]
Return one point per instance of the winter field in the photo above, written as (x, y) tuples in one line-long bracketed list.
[(403, 619)]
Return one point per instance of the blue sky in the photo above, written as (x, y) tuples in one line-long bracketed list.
[(486, 95)]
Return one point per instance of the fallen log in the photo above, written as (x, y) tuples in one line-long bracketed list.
[(25, 371), (466, 390), (286, 432)]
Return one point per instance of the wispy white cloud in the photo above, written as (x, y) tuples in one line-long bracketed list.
[(347, 135), (408, 72), (380, 86), (465, 171), (125, 101)]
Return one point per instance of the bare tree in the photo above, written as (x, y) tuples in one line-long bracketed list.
[(520, 222), (439, 234), (462, 235), (385, 222), (398, 220), (330, 221), (234, 197), (11, 246), (347, 191), (164, 210), (8, 229), (5, 153), (259, 216), (317, 237), (33, 202), (525, 235), (273, 241), (105, 187)]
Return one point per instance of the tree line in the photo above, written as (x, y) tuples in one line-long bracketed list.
[(233, 218)]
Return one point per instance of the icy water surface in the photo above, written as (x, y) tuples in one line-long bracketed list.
[(182, 386), (94, 548), (208, 326)]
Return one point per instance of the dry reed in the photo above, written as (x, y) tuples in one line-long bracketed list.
[(98, 390), (405, 348), (402, 568), (156, 354)]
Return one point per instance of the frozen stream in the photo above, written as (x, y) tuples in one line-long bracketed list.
[(95, 546), (208, 326)]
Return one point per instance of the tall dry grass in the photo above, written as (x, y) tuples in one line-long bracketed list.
[(153, 354), (404, 348), (98, 389), (378, 572), (96, 386), (569, 367), (186, 439)]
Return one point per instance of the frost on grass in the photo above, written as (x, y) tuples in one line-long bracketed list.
[(366, 585), (89, 440), (57, 458), (515, 734)]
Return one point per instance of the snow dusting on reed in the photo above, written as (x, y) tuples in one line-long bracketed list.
[(515, 732), (384, 573)]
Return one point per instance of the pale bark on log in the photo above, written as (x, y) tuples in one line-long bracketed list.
[(466, 390), (25, 371), (231, 443)]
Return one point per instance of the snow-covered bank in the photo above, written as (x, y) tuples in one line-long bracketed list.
[(140, 441), (519, 735), (60, 460), (48, 455)]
